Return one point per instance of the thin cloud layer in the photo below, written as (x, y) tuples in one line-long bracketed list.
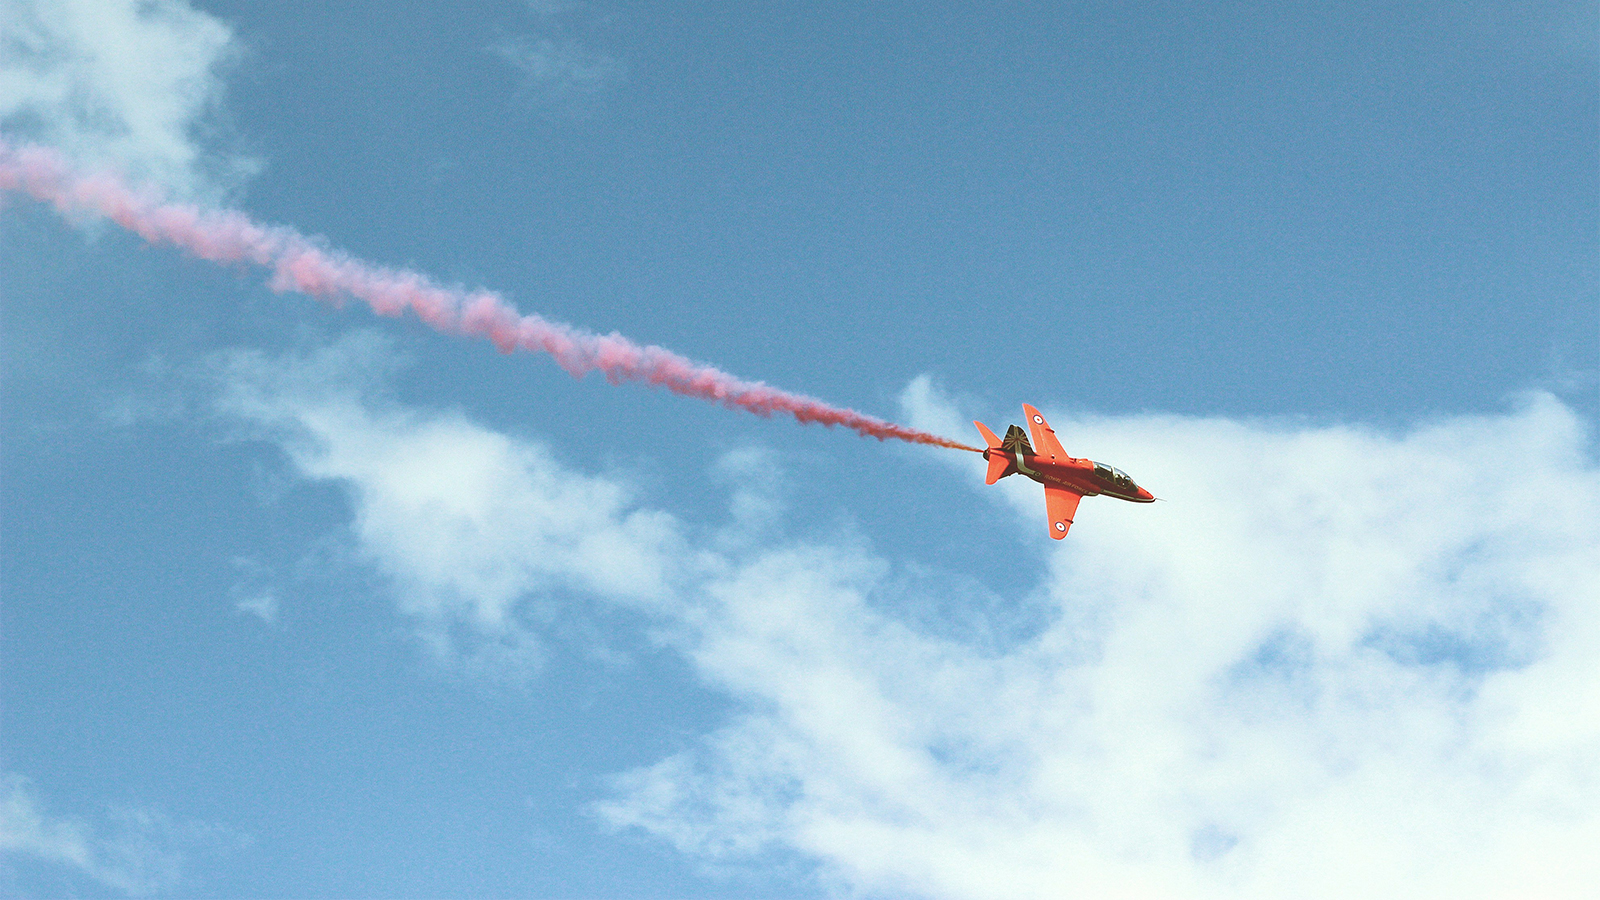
[(1335, 661), (135, 85), (137, 852), (559, 69), (556, 58)]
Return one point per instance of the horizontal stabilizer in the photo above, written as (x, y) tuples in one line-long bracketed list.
[(988, 436), (999, 466)]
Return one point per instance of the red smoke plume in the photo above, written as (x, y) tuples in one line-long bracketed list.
[(299, 264)]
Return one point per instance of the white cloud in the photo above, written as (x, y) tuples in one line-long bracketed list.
[(253, 593), (470, 524), (134, 84), (756, 502), (557, 61), (560, 68), (1334, 662), (135, 851), (263, 604)]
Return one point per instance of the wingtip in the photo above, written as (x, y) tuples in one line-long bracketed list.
[(1035, 418)]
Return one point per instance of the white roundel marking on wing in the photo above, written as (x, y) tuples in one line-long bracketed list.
[(1061, 526), (1038, 420)]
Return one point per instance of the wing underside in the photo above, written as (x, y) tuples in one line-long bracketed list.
[(1045, 443), (1062, 505)]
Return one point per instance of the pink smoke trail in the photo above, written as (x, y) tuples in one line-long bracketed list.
[(298, 263)]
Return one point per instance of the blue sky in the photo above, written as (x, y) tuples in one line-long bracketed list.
[(299, 601)]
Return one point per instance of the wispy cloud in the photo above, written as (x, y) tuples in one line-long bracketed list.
[(263, 604), (1329, 644), (253, 593), (466, 522), (560, 69), (132, 84), (136, 851), (557, 59)]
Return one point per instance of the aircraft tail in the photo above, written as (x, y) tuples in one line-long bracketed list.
[(988, 436), (999, 460), (1016, 441)]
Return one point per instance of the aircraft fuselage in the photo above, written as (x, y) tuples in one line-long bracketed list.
[(1066, 479), (1081, 476)]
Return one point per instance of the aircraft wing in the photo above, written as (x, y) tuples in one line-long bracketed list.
[(1062, 505), (1044, 437)]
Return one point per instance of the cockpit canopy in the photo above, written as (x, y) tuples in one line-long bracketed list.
[(1114, 475)]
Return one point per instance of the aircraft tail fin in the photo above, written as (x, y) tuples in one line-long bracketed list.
[(1017, 441)]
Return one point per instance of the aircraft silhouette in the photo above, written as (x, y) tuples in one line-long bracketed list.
[(1066, 480)]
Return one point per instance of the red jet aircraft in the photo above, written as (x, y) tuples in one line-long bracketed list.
[(1066, 480)]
